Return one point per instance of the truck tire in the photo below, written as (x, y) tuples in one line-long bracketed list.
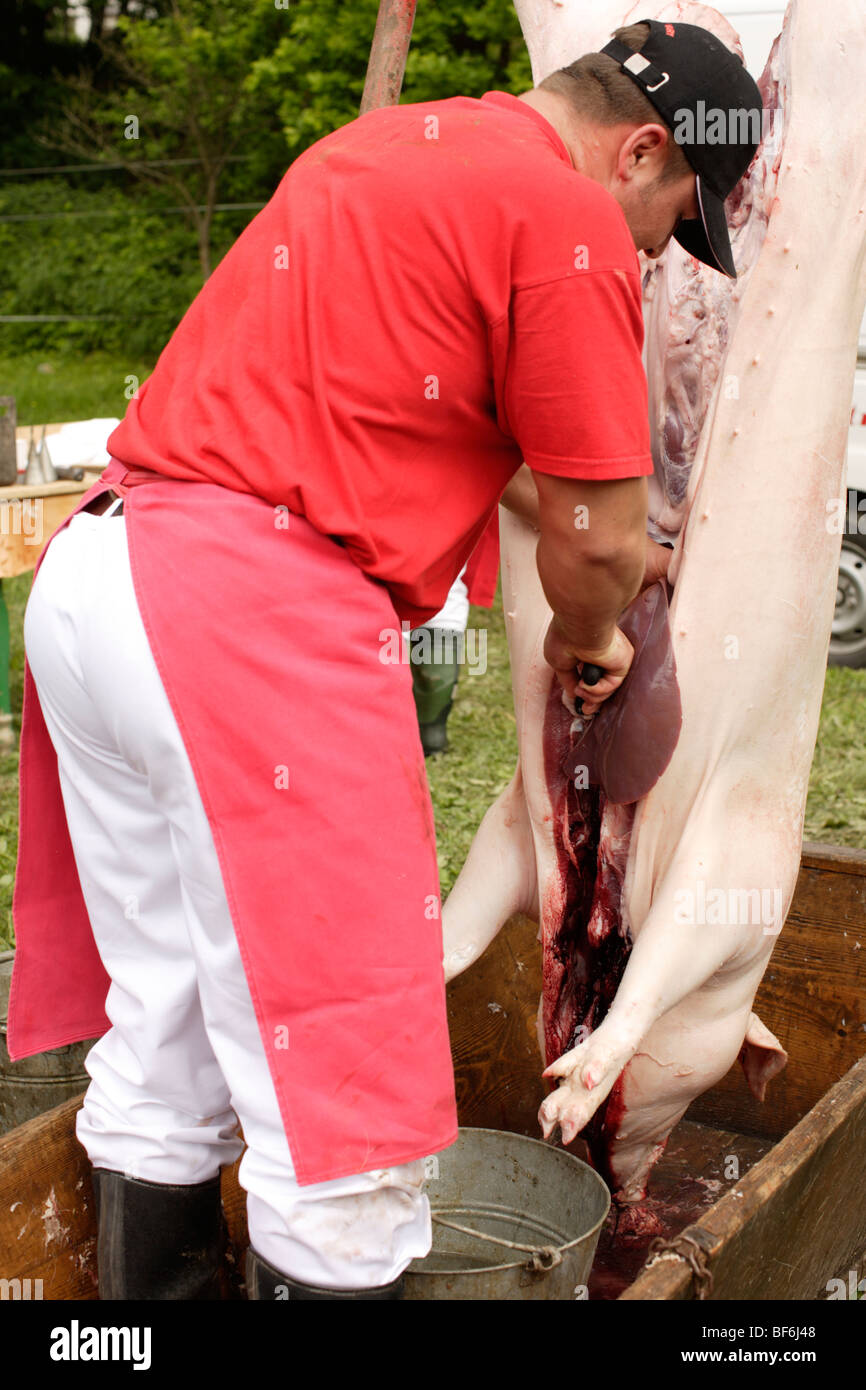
[(848, 638)]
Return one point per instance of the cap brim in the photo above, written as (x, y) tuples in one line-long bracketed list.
[(707, 236)]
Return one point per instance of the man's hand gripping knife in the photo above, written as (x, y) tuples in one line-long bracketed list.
[(521, 497), (592, 559)]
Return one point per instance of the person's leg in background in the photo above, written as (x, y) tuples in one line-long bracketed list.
[(184, 1056), (434, 654)]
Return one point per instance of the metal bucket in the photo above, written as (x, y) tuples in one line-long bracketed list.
[(35, 1084), (545, 1204)]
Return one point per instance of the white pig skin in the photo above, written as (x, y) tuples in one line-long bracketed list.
[(749, 498)]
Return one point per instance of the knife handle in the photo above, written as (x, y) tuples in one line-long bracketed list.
[(591, 675)]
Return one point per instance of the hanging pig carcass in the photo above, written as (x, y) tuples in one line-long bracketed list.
[(657, 919)]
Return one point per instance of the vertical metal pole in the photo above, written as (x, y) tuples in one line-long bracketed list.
[(388, 54)]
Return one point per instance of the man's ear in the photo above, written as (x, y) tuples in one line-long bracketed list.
[(644, 149)]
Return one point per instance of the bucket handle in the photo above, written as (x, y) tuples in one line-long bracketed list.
[(544, 1257)]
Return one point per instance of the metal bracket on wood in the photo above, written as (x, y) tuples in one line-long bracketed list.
[(694, 1249)]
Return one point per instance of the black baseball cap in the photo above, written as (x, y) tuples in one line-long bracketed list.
[(702, 90)]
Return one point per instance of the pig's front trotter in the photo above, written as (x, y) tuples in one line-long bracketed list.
[(586, 1076)]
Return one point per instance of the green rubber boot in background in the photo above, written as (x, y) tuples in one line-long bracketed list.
[(435, 667)]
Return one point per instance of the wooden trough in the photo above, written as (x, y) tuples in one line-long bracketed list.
[(754, 1201)]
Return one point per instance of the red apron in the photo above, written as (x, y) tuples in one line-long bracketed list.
[(305, 747), (482, 567)]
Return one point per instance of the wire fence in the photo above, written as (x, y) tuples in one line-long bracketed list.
[(127, 212), (101, 165), (153, 210)]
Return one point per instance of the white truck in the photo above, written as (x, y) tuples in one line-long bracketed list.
[(758, 22)]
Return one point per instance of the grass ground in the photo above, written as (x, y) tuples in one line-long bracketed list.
[(55, 386), (481, 729)]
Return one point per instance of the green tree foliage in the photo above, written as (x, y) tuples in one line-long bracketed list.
[(35, 48), (240, 89), (314, 77), (179, 105), (128, 271)]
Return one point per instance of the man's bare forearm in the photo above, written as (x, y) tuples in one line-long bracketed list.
[(587, 594), (591, 557), (521, 498)]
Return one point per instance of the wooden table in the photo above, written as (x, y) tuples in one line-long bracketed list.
[(29, 516)]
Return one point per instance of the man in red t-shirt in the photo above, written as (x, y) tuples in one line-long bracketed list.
[(246, 902)]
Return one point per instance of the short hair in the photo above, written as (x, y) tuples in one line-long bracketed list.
[(597, 89)]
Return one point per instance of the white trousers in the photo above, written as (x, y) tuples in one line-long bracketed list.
[(183, 1059), (454, 615)]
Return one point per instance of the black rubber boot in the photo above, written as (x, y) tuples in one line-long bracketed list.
[(157, 1240), (266, 1283), (435, 669)]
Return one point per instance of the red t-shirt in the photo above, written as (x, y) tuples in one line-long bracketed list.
[(432, 295)]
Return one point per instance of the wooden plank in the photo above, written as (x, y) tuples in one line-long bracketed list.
[(48, 1214), (492, 1009), (62, 488), (235, 1209), (852, 1274), (813, 997), (817, 854), (795, 1218), (28, 523), (47, 1217)]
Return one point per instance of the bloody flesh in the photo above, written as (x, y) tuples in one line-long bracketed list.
[(585, 957)]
